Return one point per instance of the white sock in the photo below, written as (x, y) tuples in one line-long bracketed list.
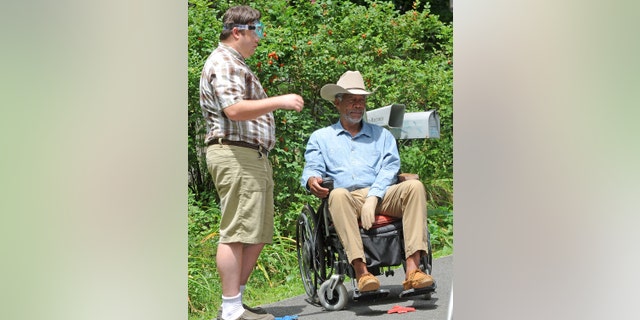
[(242, 289), (232, 307)]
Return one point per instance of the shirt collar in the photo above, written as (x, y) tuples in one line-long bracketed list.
[(365, 131), (231, 50)]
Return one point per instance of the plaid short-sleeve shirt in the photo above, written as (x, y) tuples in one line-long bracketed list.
[(226, 80)]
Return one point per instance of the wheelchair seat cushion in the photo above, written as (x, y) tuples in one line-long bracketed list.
[(381, 221)]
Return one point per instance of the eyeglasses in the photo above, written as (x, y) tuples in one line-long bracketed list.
[(258, 27)]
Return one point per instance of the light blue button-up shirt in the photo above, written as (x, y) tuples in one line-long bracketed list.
[(370, 159)]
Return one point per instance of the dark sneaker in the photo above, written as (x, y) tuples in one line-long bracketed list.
[(248, 315), (256, 310)]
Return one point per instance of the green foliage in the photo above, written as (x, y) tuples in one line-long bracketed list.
[(204, 28), (203, 280), (420, 157), (404, 55), (405, 58), (441, 231)]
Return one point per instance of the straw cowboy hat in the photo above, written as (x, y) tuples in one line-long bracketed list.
[(350, 82)]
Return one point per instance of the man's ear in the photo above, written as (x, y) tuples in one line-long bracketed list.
[(235, 32)]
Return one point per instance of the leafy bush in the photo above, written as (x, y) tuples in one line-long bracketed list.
[(204, 28), (203, 279), (405, 56), (441, 231)]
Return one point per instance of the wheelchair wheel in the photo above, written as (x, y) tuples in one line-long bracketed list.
[(426, 261), (334, 299), (309, 250)]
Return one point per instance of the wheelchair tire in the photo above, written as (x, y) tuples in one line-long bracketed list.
[(310, 253), (426, 261), (338, 298)]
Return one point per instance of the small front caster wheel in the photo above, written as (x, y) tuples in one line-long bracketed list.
[(335, 299)]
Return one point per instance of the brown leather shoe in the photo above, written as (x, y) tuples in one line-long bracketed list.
[(368, 282), (417, 280)]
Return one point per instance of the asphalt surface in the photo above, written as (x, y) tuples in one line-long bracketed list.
[(435, 308)]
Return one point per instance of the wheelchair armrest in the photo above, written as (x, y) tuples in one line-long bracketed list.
[(402, 177)]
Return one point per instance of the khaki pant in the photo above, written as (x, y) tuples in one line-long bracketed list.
[(244, 181), (406, 200)]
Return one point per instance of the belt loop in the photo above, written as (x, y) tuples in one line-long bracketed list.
[(260, 154)]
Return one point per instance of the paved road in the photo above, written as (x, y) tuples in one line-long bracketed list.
[(436, 308)]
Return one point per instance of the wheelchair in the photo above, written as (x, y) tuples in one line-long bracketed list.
[(324, 264)]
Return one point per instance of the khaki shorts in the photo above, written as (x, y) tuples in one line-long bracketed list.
[(244, 181)]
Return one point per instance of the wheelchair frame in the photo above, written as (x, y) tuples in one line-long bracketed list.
[(324, 264)]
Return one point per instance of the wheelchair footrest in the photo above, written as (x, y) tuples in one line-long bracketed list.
[(415, 292), (370, 295)]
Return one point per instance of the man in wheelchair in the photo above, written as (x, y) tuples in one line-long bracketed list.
[(363, 161)]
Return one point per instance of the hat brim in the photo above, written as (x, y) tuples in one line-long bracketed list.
[(329, 91)]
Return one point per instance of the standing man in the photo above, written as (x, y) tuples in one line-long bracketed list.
[(241, 132), (363, 161)]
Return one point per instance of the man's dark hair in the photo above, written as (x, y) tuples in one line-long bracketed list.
[(238, 15)]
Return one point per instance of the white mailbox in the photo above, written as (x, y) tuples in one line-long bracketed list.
[(421, 125), (388, 117), (411, 125)]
